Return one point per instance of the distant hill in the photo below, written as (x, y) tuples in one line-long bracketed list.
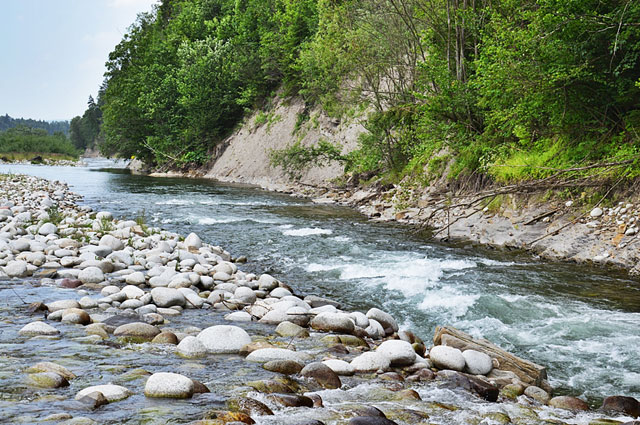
[(7, 122)]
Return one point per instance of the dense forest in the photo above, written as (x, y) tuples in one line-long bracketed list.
[(6, 122), (504, 88), (34, 142), (85, 130)]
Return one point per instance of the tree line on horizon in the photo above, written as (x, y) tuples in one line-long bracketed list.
[(512, 89)]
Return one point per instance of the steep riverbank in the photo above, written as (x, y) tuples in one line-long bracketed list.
[(121, 259), (549, 225)]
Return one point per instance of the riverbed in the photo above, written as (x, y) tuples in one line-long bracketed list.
[(580, 322)]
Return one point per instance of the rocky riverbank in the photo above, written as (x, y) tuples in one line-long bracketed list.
[(132, 288)]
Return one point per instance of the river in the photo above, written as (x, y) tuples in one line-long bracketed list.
[(582, 323)]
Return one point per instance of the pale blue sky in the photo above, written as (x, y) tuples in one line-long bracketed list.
[(52, 52)]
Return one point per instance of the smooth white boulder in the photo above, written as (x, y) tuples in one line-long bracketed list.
[(47, 229), (16, 269), (110, 392), (191, 347), (224, 339), (399, 352), (370, 361), (91, 275), (340, 367), (167, 297), (264, 355), (477, 363), (168, 385), (38, 328), (444, 357), (193, 241), (112, 242)]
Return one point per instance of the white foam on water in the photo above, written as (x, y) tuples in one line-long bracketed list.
[(226, 220), (307, 231), (175, 202), (341, 239), (447, 298)]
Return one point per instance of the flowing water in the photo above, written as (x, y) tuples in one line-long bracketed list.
[(582, 323)]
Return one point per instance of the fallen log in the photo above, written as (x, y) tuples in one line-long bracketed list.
[(527, 371)]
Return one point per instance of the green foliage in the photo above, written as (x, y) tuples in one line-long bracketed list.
[(85, 131), (7, 122), (296, 158), (32, 140), (55, 215), (513, 89), (184, 75)]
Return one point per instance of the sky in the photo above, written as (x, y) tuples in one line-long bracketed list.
[(52, 53)]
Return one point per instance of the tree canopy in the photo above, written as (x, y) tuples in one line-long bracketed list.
[(525, 85)]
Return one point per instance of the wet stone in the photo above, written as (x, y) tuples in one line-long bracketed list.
[(291, 400), (93, 400), (286, 367), (568, 403), (322, 374), (48, 380), (621, 404), (168, 385), (249, 406)]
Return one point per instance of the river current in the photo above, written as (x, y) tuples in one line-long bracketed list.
[(582, 323)]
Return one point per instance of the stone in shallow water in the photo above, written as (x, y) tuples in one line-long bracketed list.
[(568, 403), (399, 352), (139, 330), (333, 322), (191, 347), (322, 374), (249, 406), (286, 367), (93, 400), (38, 328), (385, 319), (224, 339), (111, 392), (264, 355), (16, 269), (51, 367), (621, 404), (340, 367), (167, 297), (371, 361), (48, 380), (537, 394), (168, 385), (91, 275), (165, 337)]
